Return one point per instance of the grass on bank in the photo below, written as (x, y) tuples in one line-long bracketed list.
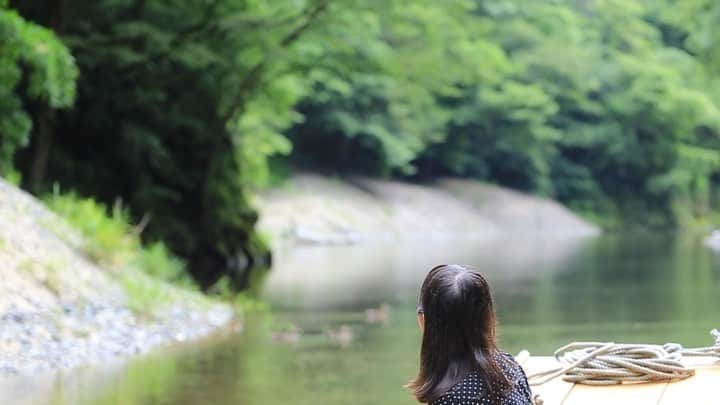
[(150, 274), (111, 241), (244, 300)]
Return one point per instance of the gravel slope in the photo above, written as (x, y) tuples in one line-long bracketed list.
[(59, 310)]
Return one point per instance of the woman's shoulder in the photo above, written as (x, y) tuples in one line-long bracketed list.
[(505, 356), (520, 392), (507, 362)]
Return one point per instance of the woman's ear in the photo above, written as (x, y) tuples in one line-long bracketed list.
[(421, 321)]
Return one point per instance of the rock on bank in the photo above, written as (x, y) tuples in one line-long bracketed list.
[(321, 210)]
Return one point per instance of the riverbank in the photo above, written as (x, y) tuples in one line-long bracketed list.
[(58, 309), (319, 210)]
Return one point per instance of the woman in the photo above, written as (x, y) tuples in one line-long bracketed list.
[(460, 363)]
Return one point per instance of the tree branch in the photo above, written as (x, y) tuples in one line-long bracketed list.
[(254, 75)]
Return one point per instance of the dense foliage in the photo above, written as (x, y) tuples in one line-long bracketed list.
[(182, 107), (610, 106)]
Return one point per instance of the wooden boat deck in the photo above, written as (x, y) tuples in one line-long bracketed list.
[(701, 389)]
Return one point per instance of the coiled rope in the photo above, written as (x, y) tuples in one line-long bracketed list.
[(596, 363)]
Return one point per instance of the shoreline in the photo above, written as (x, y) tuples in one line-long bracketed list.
[(88, 334)]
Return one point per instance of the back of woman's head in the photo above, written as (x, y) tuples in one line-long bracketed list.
[(458, 332)]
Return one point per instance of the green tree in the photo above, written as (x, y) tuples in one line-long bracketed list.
[(34, 63)]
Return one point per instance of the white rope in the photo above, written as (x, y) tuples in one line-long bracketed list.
[(596, 363)]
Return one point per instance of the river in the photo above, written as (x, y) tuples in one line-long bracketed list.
[(628, 288)]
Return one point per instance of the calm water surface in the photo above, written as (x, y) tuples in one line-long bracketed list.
[(634, 288)]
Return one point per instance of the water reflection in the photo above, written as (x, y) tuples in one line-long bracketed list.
[(639, 288), (316, 277)]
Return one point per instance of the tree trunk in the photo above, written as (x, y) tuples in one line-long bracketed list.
[(43, 134), (45, 119)]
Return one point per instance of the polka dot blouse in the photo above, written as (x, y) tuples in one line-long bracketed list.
[(472, 390)]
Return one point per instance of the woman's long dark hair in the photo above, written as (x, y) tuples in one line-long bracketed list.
[(459, 333)]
